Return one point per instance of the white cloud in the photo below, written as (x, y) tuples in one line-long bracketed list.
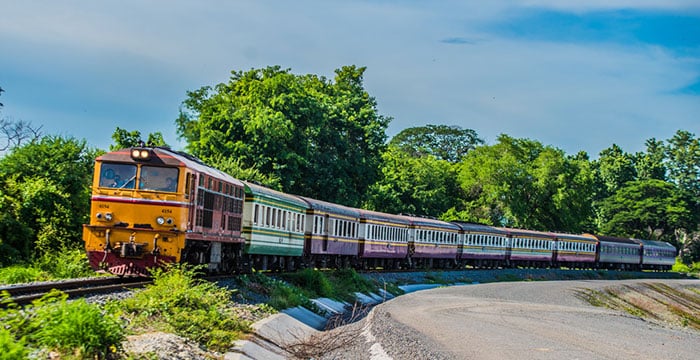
[(130, 62)]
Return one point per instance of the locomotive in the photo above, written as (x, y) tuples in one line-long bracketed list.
[(152, 205)]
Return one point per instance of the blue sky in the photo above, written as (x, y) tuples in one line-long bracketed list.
[(578, 76)]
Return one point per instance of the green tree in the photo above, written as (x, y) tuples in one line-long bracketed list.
[(521, 183), (443, 142), (647, 209), (651, 164), (683, 152), (45, 196), (422, 186), (126, 139), (321, 138), (613, 168)]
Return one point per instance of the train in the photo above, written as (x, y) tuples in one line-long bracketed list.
[(151, 206)]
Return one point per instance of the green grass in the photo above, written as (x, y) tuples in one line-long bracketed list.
[(17, 274), (177, 302), (67, 264), (73, 329)]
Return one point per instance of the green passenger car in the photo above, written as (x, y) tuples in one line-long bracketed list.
[(273, 225)]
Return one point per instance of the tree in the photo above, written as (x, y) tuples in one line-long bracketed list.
[(521, 183), (613, 168), (646, 209), (423, 186), (322, 139), (650, 164), (126, 139), (683, 152), (45, 195), (443, 142)]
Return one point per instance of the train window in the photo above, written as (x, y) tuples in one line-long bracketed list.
[(120, 176), (255, 214), (158, 178)]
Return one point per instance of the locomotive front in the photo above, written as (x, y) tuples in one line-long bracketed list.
[(139, 210)]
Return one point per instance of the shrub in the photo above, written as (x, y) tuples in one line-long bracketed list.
[(66, 264), (10, 347), (75, 328), (347, 282), (313, 283), (21, 274), (178, 302)]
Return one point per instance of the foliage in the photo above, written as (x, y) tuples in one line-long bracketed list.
[(322, 139), (647, 209), (11, 348), (235, 168), (126, 139), (66, 264), (415, 185), (178, 302), (613, 169), (45, 191), (280, 294), (521, 183), (16, 274), (449, 143), (347, 282), (683, 153), (76, 327), (312, 282)]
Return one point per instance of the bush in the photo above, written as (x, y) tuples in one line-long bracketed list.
[(21, 274), (312, 282), (11, 348), (66, 264), (347, 282), (178, 302), (75, 328), (280, 294)]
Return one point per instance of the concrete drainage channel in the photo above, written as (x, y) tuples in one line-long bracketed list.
[(297, 324)]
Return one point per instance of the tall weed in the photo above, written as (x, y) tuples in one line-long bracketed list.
[(180, 303), (17, 274)]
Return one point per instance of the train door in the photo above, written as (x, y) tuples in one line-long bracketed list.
[(190, 195)]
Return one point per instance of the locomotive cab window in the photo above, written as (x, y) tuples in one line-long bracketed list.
[(120, 176), (158, 178)]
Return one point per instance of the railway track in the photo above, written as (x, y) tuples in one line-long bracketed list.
[(25, 294)]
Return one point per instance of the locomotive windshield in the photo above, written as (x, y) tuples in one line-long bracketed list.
[(121, 176), (158, 178)]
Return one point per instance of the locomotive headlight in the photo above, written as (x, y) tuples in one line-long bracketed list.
[(98, 216), (140, 154), (108, 216), (160, 220), (169, 221)]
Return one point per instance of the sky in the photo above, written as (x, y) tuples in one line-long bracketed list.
[(576, 75)]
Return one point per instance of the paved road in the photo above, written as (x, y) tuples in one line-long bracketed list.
[(529, 320)]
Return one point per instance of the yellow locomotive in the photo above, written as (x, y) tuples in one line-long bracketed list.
[(154, 205)]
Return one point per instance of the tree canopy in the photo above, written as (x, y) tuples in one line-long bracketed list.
[(44, 197), (522, 183), (321, 138), (444, 142), (126, 139)]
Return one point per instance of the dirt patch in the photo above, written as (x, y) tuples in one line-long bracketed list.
[(675, 305)]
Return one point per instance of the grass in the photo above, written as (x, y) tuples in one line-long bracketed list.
[(179, 303), (66, 264), (73, 329), (681, 306)]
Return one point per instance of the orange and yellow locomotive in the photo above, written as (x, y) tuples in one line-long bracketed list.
[(154, 205)]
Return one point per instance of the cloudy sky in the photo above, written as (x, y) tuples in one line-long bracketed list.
[(577, 76)]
